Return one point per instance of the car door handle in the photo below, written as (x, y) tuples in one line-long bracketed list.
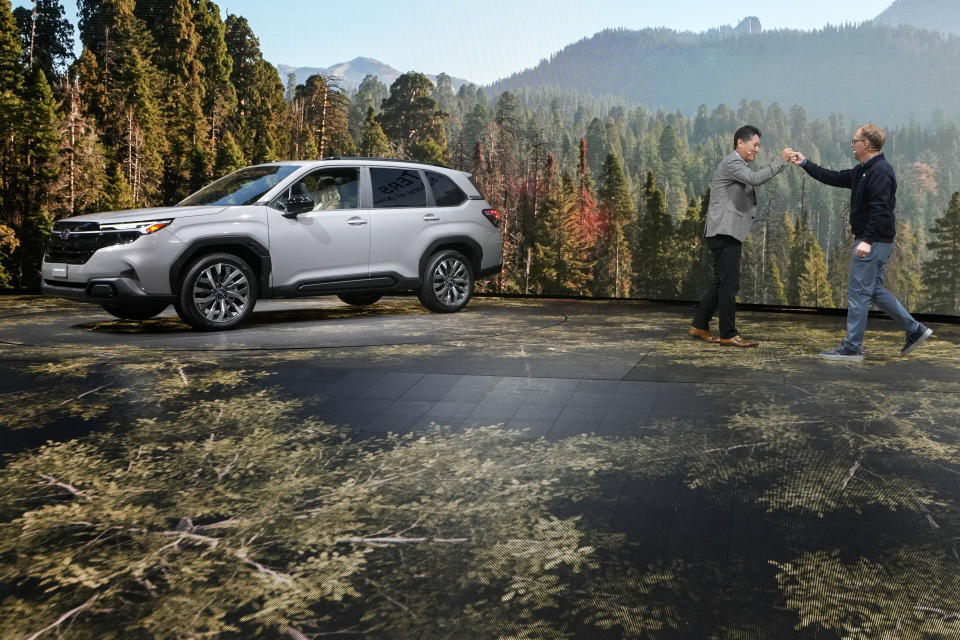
[(356, 222), (431, 218)]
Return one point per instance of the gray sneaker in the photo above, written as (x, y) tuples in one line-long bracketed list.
[(842, 353), (915, 339)]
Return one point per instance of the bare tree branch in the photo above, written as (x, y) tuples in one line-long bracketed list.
[(59, 621), (86, 393)]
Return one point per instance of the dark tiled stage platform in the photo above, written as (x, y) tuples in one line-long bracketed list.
[(523, 469)]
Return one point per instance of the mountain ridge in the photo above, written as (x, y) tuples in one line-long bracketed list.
[(350, 74)]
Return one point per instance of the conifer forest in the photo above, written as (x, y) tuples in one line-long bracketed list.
[(529, 469), (598, 198)]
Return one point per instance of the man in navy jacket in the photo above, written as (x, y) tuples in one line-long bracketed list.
[(873, 197)]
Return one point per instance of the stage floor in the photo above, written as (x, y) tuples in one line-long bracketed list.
[(522, 469)]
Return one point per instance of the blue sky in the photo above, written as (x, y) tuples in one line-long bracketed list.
[(483, 40)]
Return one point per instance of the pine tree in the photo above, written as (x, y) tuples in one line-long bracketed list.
[(29, 164), (81, 183), (118, 195), (128, 112), (220, 96), (261, 120), (612, 270), (47, 37), (171, 22), (586, 202), (941, 273), (229, 156), (904, 273), (654, 258), (411, 116), (370, 94), (813, 286), (11, 83), (568, 265), (695, 262), (374, 143)]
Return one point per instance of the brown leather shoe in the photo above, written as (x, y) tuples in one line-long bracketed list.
[(702, 334), (737, 341)]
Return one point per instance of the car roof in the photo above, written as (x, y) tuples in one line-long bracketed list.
[(354, 159)]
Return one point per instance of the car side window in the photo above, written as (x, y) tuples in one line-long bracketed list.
[(397, 188), (446, 193), (328, 189)]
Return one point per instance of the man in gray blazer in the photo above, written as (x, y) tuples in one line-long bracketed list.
[(733, 203)]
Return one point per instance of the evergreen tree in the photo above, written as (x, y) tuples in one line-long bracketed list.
[(411, 115), (374, 143), (586, 202), (81, 183), (695, 262), (654, 259), (320, 114), (369, 95), (128, 112), (118, 195), (567, 255), (47, 37), (260, 122), (941, 273), (813, 286), (11, 84), (29, 164), (219, 94), (904, 273), (447, 102), (229, 156), (176, 56), (612, 270)]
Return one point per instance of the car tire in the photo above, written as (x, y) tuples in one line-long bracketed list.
[(447, 283), (217, 292), (359, 299), (134, 312)]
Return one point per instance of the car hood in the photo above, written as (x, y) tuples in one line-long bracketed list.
[(150, 213)]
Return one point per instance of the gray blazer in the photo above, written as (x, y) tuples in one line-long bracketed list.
[(733, 202)]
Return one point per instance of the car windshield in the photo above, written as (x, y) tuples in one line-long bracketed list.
[(245, 186)]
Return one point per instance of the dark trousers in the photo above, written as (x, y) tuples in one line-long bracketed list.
[(721, 296)]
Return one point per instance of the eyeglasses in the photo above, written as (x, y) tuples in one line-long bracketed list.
[(856, 140)]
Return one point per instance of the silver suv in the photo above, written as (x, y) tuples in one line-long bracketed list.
[(353, 227)]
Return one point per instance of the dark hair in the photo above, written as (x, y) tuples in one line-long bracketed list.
[(746, 132)]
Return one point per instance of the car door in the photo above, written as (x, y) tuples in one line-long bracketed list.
[(318, 231), (402, 225)]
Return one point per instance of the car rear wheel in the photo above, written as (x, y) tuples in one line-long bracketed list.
[(217, 292), (359, 299), (447, 282), (134, 312)]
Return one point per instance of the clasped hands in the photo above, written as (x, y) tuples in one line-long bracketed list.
[(791, 156)]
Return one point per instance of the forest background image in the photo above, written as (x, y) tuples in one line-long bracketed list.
[(600, 197), (197, 494)]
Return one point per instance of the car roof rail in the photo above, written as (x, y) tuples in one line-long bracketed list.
[(430, 164)]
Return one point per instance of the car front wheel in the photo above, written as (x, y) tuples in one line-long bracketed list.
[(217, 292), (447, 282)]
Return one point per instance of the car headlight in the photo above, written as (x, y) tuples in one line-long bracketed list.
[(145, 227)]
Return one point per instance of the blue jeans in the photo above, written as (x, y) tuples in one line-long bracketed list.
[(865, 286)]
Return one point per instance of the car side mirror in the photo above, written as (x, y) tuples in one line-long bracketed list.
[(297, 205)]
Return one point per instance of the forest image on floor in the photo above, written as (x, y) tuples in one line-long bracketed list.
[(599, 198)]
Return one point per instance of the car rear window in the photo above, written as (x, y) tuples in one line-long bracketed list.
[(446, 193), (397, 188)]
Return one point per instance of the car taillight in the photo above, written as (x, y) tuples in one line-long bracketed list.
[(493, 215)]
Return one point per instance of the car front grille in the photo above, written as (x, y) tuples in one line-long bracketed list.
[(75, 242)]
